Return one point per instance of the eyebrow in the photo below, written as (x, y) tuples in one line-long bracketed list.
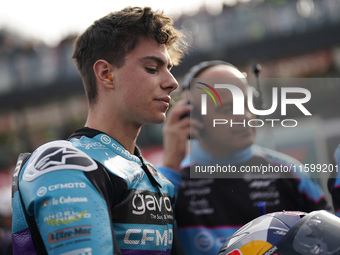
[(156, 59)]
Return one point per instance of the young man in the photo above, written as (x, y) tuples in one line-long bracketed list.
[(210, 210), (94, 194)]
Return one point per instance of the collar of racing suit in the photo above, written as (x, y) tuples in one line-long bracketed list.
[(200, 156)]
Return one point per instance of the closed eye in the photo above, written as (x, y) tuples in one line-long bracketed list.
[(151, 70)]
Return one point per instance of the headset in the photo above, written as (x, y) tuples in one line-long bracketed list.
[(199, 68), (193, 73)]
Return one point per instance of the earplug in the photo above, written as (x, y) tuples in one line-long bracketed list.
[(110, 77)]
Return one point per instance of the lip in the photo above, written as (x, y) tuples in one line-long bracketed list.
[(165, 99)]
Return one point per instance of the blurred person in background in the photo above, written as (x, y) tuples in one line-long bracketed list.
[(95, 194), (334, 183), (209, 210), (5, 220)]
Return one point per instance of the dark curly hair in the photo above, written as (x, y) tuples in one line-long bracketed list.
[(112, 37)]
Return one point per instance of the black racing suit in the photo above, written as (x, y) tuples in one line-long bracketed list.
[(210, 210)]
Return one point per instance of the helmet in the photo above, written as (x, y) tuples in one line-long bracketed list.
[(287, 233)]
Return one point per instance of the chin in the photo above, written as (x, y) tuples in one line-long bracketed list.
[(154, 120), (245, 144)]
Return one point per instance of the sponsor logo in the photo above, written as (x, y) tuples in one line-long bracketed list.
[(282, 232), (264, 195), (58, 155), (42, 191), (293, 213), (141, 203), (259, 184), (46, 203), (71, 185), (69, 233), (142, 236), (66, 217), (118, 148), (271, 251), (95, 145), (105, 139), (204, 241), (200, 206), (66, 200)]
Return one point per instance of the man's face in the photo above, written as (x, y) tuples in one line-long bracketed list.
[(144, 83), (224, 139)]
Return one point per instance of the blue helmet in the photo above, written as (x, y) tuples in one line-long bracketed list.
[(287, 233)]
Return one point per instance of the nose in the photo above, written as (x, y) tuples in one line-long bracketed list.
[(170, 83)]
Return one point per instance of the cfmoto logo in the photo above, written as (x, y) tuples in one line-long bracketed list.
[(41, 191)]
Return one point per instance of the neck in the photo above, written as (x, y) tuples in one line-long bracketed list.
[(123, 132), (214, 149), (201, 156)]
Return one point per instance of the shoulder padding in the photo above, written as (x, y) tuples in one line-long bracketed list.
[(57, 155)]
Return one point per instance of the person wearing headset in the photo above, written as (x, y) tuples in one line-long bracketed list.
[(209, 210)]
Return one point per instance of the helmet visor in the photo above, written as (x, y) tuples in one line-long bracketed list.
[(316, 233)]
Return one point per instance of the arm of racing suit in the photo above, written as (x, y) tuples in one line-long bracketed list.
[(66, 195), (314, 197)]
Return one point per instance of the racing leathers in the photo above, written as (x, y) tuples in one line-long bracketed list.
[(210, 210), (89, 195)]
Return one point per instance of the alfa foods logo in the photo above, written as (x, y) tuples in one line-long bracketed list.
[(69, 233), (239, 103)]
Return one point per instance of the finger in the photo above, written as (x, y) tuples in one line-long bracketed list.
[(181, 108)]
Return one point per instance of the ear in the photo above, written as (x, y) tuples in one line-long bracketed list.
[(103, 72)]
